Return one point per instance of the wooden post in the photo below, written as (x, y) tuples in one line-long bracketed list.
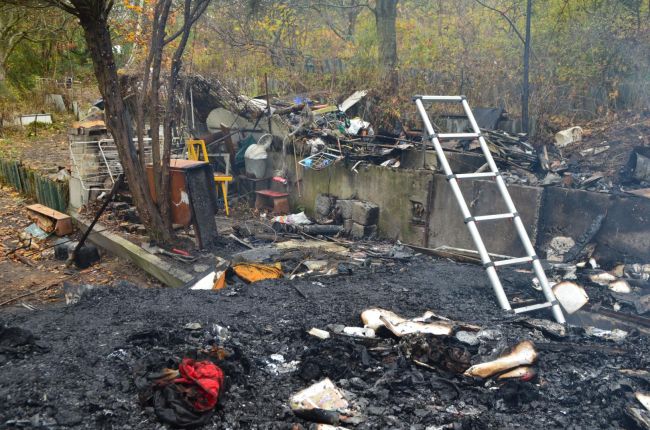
[(268, 99), (525, 95)]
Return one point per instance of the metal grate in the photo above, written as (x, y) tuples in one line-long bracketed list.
[(97, 164)]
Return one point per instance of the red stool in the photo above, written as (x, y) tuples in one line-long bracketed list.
[(275, 200)]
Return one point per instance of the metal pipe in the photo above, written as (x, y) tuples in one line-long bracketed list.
[(458, 135), (493, 217), (192, 107), (475, 175), (109, 198), (440, 98), (268, 100)]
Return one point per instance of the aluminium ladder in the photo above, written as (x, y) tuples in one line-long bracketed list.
[(471, 221)]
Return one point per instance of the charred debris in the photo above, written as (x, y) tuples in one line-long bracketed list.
[(321, 132), (314, 322), (351, 351)]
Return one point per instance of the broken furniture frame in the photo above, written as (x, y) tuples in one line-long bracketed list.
[(193, 197), (223, 179), (195, 148), (471, 221)]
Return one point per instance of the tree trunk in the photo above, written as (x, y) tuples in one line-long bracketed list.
[(5, 51), (172, 83), (385, 17), (161, 185), (118, 121), (353, 15), (143, 94), (525, 94)]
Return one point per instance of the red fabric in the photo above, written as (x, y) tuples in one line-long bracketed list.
[(205, 378)]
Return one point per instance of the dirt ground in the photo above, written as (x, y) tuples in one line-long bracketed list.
[(81, 371), (27, 270), (41, 147)]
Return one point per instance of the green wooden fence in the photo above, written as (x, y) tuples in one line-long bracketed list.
[(53, 194)]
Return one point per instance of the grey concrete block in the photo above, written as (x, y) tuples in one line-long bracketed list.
[(365, 213), (324, 205), (624, 235), (360, 231), (375, 184), (347, 226), (344, 208)]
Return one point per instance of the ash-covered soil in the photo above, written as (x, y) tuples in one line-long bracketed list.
[(81, 373)]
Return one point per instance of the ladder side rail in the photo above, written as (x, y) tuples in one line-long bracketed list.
[(486, 151), (519, 225), (471, 225)]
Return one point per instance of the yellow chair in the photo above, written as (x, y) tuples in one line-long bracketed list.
[(196, 147)]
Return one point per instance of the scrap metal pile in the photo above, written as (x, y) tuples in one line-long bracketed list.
[(326, 134), (608, 156), (605, 158)]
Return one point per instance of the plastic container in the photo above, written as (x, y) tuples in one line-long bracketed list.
[(255, 168), (570, 295), (256, 155)]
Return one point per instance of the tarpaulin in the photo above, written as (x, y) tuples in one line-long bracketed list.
[(250, 272), (253, 272)]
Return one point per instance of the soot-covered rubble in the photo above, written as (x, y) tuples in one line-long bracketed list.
[(80, 369)]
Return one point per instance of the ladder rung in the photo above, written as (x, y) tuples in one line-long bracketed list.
[(495, 216), (533, 307), (457, 135), (440, 98), (475, 175), (513, 261), (492, 172)]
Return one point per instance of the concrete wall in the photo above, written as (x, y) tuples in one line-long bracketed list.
[(483, 198), (395, 191), (546, 212), (624, 235), (459, 162)]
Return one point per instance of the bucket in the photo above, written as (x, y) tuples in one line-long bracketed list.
[(642, 166), (255, 168)]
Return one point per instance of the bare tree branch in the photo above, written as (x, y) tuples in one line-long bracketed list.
[(504, 16), (194, 15)]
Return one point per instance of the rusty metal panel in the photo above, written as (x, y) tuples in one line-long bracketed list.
[(193, 197), (203, 203), (180, 202)]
